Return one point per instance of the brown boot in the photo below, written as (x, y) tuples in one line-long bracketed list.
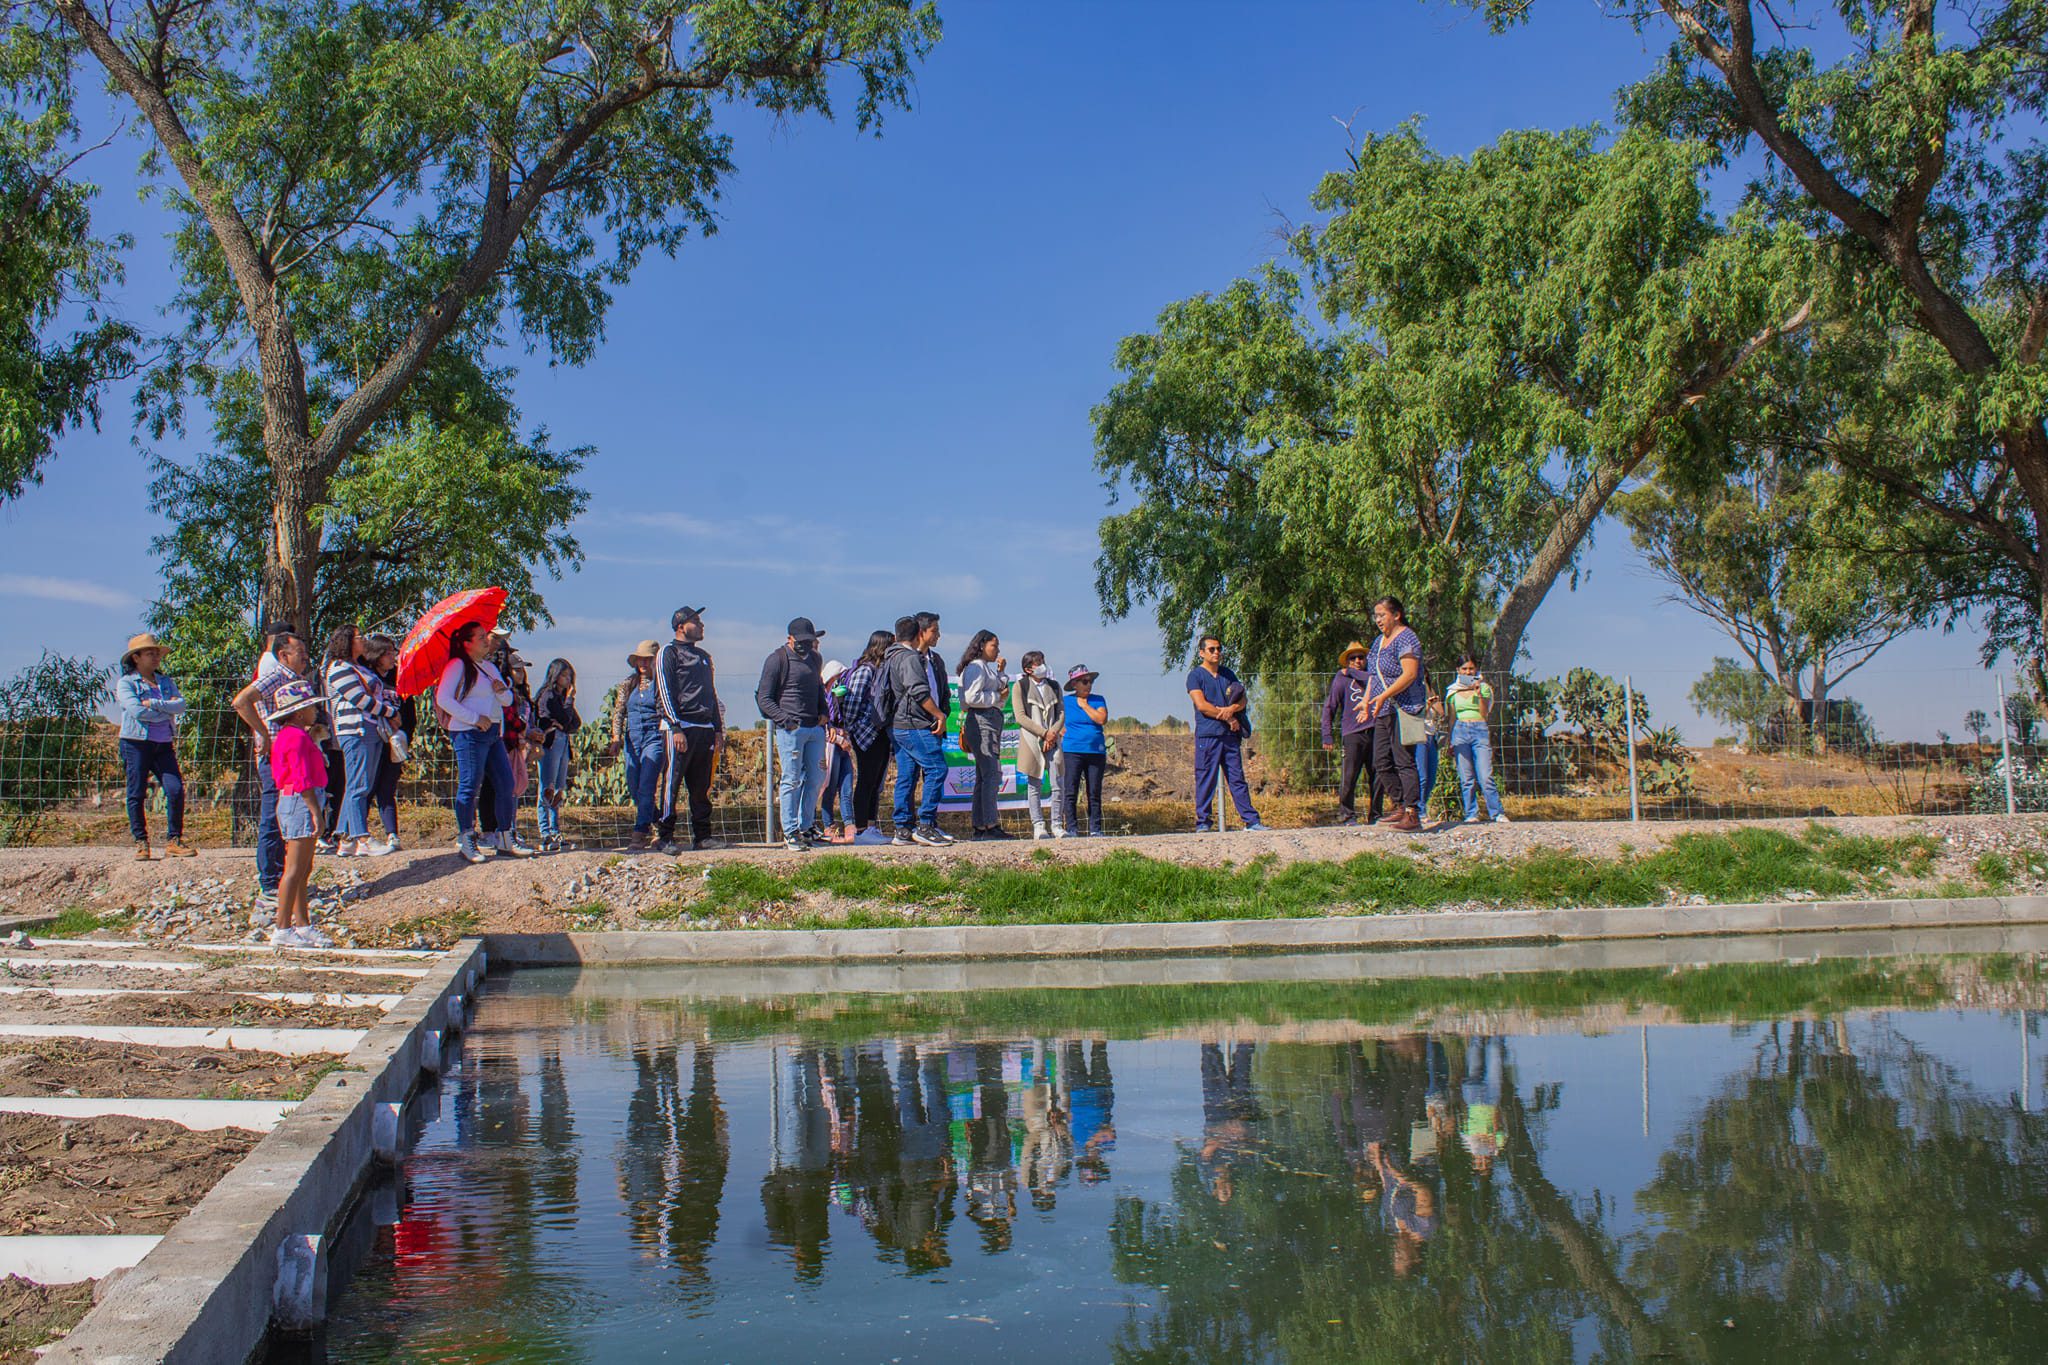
[(142, 853), (178, 848), (1405, 821)]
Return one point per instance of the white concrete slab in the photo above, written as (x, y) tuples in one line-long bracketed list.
[(122, 944), (66, 1260), (258, 1116), (341, 999), (115, 963), (291, 1042)]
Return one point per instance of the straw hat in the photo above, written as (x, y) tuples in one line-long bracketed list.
[(646, 649), (138, 643), (1344, 659)]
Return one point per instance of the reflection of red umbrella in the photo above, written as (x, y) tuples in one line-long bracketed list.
[(425, 652)]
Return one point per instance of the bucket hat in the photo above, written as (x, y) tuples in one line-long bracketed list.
[(1080, 673), (294, 696), (646, 649)]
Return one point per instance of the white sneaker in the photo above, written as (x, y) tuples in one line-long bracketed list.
[(1059, 831), (309, 937), (511, 847), (346, 848), (466, 846), (285, 938), (326, 846), (372, 849), (1502, 819)]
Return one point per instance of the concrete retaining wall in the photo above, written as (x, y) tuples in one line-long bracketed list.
[(204, 1295), (1353, 932)]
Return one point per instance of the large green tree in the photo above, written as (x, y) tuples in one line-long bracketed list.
[(1903, 136), (357, 183), (52, 268), (1495, 345)]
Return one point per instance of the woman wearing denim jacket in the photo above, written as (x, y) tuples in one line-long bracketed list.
[(150, 707)]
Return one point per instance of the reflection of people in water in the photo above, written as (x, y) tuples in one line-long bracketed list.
[(673, 1161), (1228, 1112), (1409, 1204), (1479, 1126), (1048, 1150), (991, 1169), (1091, 1107), (914, 1208), (796, 1193)]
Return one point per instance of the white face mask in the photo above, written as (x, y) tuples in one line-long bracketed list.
[(1038, 671)]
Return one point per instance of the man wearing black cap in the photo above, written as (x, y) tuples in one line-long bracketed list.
[(791, 695), (686, 691)]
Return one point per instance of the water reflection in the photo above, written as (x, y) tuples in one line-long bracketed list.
[(1819, 1189)]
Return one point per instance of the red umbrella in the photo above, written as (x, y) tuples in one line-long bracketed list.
[(424, 654)]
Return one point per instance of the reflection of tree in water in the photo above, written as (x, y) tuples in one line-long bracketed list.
[(1828, 1205), (1304, 1260), (1837, 1205), (673, 1160)]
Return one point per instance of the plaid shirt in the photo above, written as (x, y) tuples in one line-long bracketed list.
[(861, 709)]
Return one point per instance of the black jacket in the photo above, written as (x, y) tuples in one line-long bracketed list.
[(553, 710), (685, 688), (791, 692), (905, 687)]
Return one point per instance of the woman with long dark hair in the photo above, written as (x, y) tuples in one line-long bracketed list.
[(556, 721), (983, 684), (1394, 702), (360, 710), (150, 707), (474, 696), (380, 655), (867, 729)]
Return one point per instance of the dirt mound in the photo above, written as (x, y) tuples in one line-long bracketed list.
[(33, 1315), (61, 1066), (107, 1175)]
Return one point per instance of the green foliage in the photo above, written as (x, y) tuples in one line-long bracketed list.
[(1483, 350), (49, 260), (48, 712), (1977, 723), (444, 495), (1739, 696), (2022, 715)]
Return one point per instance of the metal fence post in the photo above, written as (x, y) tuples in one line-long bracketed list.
[(767, 785), (1628, 708), (2005, 747)]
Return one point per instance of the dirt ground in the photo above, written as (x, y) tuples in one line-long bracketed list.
[(70, 1066), (200, 1009), (33, 1315), (107, 1175)]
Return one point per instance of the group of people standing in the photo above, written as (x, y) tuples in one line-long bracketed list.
[(836, 728), (1389, 723)]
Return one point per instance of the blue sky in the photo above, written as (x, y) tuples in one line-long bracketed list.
[(869, 392)]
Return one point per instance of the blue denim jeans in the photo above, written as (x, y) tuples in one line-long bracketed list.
[(360, 754), (158, 758), (1472, 751), (269, 843), (554, 776), (1427, 756), (476, 751), (802, 755), (838, 795), (643, 778), (918, 751)]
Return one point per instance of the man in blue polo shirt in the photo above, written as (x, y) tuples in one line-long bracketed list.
[(1220, 727)]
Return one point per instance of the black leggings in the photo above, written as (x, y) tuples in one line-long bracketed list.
[(1394, 763), (1084, 768), (870, 765), (384, 795), (1357, 761)]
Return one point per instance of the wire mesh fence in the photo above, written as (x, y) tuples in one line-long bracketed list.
[(1579, 747)]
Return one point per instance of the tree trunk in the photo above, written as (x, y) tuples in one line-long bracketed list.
[(1574, 520), (291, 563)]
